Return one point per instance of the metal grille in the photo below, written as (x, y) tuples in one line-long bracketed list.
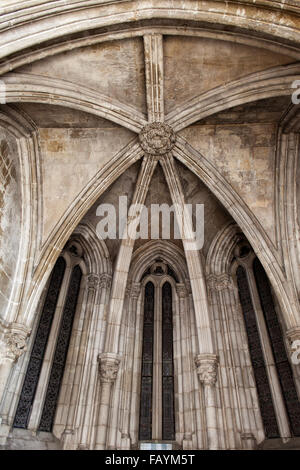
[(39, 347), (60, 354), (283, 367), (262, 383), (145, 425), (168, 421)]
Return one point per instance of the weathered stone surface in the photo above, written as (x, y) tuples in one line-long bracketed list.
[(245, 155), (115, 69), (71, 157), (196, 65)]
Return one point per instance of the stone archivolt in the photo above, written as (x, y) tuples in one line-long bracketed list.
[(13, 345)]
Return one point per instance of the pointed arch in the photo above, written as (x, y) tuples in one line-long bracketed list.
[(219, 257), (96, 253)]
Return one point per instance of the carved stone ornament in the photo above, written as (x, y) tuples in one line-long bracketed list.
[(13, 345), (108, 367), (293, 334), (207, 366), (157, 138), (135, 290), (105, 281), (181, 291), (17, 344), (220, 282), (93, 281)]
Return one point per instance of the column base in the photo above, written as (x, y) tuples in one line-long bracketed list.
[(68, 439), (4, 433), (125, 442), (248, 441), (187, 443)]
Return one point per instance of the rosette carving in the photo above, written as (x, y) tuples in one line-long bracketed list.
[(157, 138)]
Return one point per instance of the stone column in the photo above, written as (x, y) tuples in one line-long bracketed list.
[(198, 284), (68, 434), (129, 371), (88, 390), (293, 337), (186, 373), (108, 370), (12, 346), (207, 365), (235, 376)]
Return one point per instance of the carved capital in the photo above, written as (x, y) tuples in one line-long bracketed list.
[(157, 138), (135, 290), (181, 291), (293, 334), (13, 342), (219, 282), (93, 281), (108, 367), (293, 337), (207, 366), (105, 281)]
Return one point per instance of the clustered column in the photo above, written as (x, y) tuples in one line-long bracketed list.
[(207, 365), (235, 388), (108, 370), (186, 374), (89, 382)]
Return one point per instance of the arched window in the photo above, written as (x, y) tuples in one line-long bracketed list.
[(168, 421), (145, 430), (283, 367), (266, 346), (259, 368), (60, 355), (40, 344), (157, 417)]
